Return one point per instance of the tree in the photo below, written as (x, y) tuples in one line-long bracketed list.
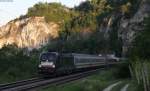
[(141, 45)]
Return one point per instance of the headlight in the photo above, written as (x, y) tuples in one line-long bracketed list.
[(40, 66), (53, 66)]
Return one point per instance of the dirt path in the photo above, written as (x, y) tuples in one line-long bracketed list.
[(109, 88), (125, 87)]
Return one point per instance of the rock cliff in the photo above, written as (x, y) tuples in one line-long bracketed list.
[(127, 27), (32, 32)]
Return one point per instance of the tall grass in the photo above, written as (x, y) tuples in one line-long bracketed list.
[(140, 71)]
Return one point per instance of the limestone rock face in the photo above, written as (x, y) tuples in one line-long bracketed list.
[(128, 28), (32, 32)]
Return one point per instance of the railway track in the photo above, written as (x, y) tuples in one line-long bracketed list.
[(19, 83), (27, 85)]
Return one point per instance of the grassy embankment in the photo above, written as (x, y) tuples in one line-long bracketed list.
[(95, 82)]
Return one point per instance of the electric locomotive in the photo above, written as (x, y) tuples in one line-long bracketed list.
[(47, 62)]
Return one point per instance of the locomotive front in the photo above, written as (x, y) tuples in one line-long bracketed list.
[(48, 62)]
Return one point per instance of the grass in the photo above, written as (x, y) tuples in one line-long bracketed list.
[(6, 78), (95, 82), (135, 87)]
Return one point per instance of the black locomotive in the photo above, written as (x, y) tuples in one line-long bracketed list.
[(62, 63)]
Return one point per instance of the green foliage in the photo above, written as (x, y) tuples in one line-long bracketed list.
[(134, 87), (72, 32), (88, 17), (140, 73), (139, 58), (123, 71), (126, 8), (84, 7), (94, 44), (141, 47), (15, 64), (51, 11)]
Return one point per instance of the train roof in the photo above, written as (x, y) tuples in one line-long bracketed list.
[(78, 55)]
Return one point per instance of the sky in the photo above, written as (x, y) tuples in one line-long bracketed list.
[(11, 9)]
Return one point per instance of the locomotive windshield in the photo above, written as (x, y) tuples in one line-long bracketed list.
[(48, 56)]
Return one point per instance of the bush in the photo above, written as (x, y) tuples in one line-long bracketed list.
[(122, 71), (16, 65)]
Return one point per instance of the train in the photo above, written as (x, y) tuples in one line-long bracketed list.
[(65, 63)]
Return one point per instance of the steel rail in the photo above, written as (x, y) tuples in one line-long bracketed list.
[(19, 83), (53, 81)]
